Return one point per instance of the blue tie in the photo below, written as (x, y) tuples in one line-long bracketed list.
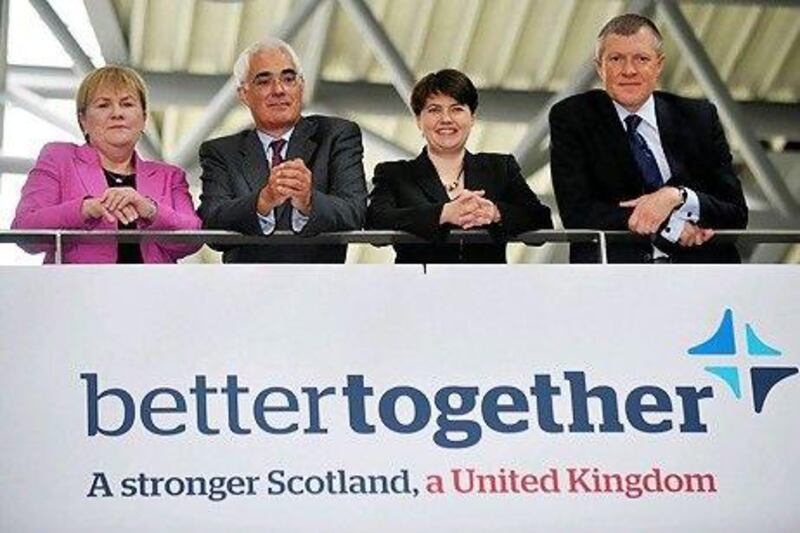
[(644, 157)]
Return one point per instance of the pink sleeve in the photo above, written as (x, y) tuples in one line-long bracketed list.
[(42, 205), (177, 214)]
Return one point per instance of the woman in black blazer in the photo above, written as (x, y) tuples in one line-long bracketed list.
[(447, 187)]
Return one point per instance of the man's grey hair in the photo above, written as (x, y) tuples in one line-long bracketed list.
[(242, 65), (627, 24)]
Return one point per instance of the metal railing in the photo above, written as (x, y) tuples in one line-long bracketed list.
[(60, 238)]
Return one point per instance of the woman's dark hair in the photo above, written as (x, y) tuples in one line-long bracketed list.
[(449, 82)]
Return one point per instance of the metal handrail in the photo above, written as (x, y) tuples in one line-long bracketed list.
[(59, 238)]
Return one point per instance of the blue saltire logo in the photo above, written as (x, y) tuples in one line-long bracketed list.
[(723, 344)]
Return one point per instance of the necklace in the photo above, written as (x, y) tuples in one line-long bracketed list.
[(453, 185)]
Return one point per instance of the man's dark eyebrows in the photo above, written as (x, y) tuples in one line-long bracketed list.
[(267, 74), (263, 74)]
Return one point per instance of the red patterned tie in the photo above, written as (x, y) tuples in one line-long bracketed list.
[(277, 147)]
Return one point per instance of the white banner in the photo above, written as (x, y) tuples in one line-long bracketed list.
[(207, 398)]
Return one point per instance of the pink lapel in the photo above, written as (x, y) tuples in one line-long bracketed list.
[(89, 170), (146, 182)]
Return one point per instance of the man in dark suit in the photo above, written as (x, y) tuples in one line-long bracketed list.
[(654, 163), (303, 174)]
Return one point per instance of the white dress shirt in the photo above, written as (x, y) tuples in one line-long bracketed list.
[(648, 128)]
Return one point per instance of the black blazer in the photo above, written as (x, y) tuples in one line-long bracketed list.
[(409, 196), (235, 169), (593, 170)]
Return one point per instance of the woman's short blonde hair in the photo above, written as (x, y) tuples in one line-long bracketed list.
[(114, 77)]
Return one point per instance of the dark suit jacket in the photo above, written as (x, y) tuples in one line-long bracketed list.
[(593, 170), (235, 169), (409, 196)]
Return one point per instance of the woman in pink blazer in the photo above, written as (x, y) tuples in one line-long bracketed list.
[(104, 185)]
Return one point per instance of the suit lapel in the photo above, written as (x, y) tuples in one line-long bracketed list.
[(90, 171), (302, 143), (254, 161), (146, 183), (670, 141), (478, 177), (428, 179)]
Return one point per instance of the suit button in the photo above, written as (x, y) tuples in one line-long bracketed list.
[(647, 258)]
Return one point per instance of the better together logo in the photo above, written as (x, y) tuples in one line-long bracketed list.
[(762, 378)]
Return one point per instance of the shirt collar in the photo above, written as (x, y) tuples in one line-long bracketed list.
[(266, 139), (647, 112)]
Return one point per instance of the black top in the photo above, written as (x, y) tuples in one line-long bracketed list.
[(127, 253), (409, 196)]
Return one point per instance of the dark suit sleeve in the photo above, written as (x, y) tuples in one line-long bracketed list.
[(578, 206), (520, 209), (722, 203), (343, 207), (384, 213), (220, 207)]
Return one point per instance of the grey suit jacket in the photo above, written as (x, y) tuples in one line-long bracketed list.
[(235, 169)]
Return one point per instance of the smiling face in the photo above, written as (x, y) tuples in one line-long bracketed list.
[(113, 119), (445, 123), (273, 91), (629, 67)]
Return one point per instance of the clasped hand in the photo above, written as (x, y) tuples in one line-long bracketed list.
[(291, 180), (693, 235), (651, 210), (469, 210), (123, 204)]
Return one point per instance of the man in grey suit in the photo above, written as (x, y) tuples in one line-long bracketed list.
[(303, 174)]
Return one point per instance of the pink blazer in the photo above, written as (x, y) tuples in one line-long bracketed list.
[(65, 174)]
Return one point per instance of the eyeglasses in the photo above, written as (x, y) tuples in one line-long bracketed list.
[(287, 78)]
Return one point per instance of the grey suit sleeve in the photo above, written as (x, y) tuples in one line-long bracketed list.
[(220, 207), (343, 206)]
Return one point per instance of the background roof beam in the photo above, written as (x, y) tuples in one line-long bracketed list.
[(769, 119), (764, 171), (315, 51), (105, 22), (37, 106), (15, 165), (400, 75), (83, 64)]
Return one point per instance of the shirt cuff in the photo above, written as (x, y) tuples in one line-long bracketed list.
[(690, 210), (267, 222), (674, 227), (299, 220)]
